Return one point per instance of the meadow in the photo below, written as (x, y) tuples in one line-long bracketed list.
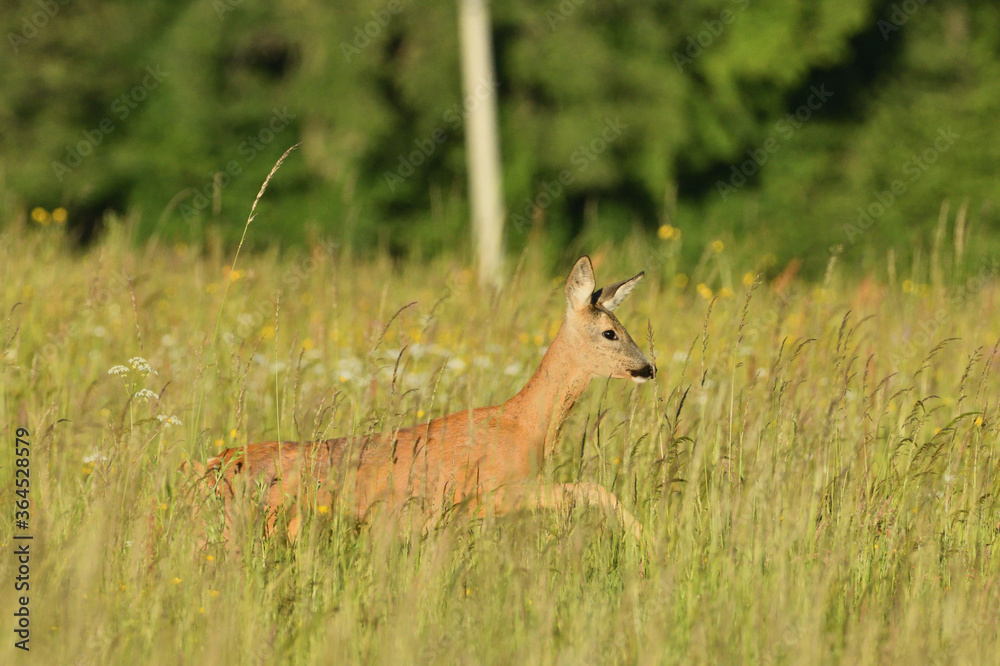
[(815, 466)]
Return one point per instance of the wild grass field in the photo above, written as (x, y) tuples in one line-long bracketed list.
[(815, 465)]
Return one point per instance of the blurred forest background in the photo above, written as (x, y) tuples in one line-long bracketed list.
[(784, 127)]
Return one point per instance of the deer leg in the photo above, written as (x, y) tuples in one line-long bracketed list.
[(293, 525), (275, 500), (562, 496)]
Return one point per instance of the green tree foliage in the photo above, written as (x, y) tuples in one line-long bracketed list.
[(614, 115)]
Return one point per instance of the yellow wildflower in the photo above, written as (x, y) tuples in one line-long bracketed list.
[(41, 216)]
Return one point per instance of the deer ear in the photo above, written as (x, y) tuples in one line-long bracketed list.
[(580, 284), (611, 297)]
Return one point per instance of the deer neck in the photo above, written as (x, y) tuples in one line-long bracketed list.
[(545, 401)]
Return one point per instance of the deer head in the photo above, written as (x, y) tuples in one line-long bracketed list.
[(601, 344)]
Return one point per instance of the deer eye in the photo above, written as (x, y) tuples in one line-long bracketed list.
[(610, 335)]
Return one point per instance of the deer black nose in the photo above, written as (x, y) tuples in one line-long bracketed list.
[(647, 372)]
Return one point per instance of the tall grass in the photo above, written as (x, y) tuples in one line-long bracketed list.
[(815, 466)]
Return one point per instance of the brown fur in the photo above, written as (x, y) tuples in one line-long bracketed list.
[(484, 455)]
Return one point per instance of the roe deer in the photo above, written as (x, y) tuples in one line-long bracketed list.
[(487, 455)]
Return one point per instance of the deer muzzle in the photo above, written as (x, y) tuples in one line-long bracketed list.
[(644, 373)]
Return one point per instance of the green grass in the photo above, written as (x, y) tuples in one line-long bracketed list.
[(818, 480)]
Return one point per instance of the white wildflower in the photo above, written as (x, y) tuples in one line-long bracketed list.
[(141, 365), (348, 368), (94, 457), (415, 379), (512, 369), (118, 370), (145, 394), (168, 421)]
